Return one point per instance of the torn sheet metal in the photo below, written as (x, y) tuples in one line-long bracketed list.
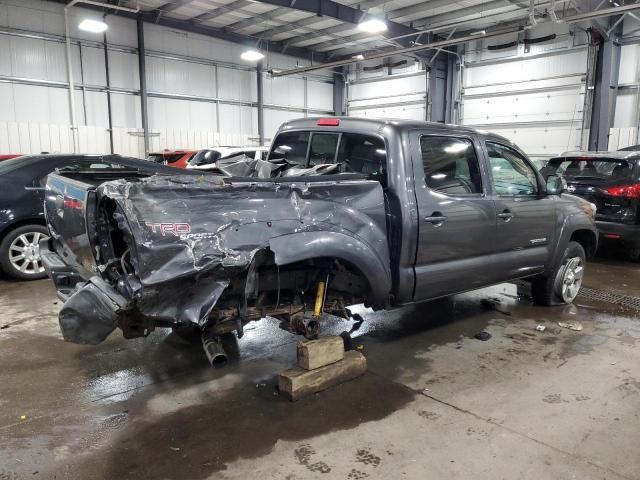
[(188, 236)]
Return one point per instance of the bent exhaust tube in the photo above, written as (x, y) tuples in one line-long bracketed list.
[(213, 350)]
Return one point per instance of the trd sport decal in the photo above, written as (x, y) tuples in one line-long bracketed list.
[(175, 229)]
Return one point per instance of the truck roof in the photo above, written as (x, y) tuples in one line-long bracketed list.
[(616, 154), (359, 123)]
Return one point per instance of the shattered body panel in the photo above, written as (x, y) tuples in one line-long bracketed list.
[(187, 238)]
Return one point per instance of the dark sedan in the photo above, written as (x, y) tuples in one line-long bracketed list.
[(611, 181), (22, 185)]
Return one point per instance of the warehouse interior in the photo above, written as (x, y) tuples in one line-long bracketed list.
[(479, 383)]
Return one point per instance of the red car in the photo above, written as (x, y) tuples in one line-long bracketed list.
[(9, 156), (173, 158)]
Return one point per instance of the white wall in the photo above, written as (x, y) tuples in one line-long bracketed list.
[(376, 94), (202, 95)]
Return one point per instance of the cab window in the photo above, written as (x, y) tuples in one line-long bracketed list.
[(291, 146), (511, 173), (451, 165)]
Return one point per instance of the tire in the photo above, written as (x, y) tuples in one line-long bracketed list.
[(563, 285), (23, 241)]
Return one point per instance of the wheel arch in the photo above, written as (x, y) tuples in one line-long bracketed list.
[(368, 262), (587, 239), (21, 223)]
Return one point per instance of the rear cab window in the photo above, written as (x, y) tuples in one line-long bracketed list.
[(351, 152)]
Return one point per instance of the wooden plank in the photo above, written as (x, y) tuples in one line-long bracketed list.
[(314, 354), (298, 382)]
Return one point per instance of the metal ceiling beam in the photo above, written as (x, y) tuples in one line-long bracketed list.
[(398, 51), (171, 6), (276, 13), (150, 16), (344, 13), (221, 10), (487, 7), (309, 21), (348, 41)]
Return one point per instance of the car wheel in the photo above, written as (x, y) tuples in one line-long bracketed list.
[(563, 285), (20, 252)]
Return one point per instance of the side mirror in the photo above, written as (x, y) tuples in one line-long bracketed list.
[(556, 184)]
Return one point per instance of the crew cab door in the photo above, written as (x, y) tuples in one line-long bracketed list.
[(456, 215), (526, 215)]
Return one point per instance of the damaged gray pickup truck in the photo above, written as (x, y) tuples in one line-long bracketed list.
[(344, 211)]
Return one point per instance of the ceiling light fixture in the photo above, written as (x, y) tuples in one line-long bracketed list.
[(373, 25), (252, 55), (358, 57), (93, 26)]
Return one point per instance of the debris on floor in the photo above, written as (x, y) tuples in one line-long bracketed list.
[(322, 363), (484, 336), (571, 325), (541, 328)]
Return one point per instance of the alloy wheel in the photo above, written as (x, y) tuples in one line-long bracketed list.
[(24, 253)]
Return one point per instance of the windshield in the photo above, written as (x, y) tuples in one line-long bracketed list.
[(205, 157), (7, 166), (165, 158), (589, 169)]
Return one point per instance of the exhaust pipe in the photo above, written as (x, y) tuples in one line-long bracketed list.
[(213, 350)]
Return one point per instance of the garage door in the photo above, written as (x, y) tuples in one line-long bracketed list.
[(537, 102)]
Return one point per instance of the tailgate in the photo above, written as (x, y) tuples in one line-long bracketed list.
[(70, 212)]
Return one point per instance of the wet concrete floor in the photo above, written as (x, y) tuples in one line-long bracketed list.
[(435, 402)]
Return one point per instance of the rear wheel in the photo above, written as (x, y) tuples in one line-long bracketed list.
[(563, 285), (20, 252)]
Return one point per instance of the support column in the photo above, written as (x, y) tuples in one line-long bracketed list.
[(142, 71), (109, 114), (260, 103), (338, 92), (606, 89)]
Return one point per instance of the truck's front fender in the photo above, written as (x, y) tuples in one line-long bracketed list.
[(572, 223), (373, 265)]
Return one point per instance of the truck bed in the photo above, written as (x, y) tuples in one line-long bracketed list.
[(164, 250)]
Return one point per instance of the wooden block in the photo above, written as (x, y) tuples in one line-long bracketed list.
[(298, 382), (314, 354)]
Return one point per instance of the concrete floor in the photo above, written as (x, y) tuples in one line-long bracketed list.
[(435, 403)]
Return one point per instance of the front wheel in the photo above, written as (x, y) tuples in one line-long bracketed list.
[(20, 252), (561, 286)]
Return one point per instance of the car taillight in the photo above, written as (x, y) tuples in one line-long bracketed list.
[(328, 122), (72, 203), (624, 191)]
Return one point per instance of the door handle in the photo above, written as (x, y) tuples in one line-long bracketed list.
[(506, 215), (436, 218)]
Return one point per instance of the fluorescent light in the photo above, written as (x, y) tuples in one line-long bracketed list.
[(358, 57), (373, 25), (479, 32), (251, 55), (93, 26)]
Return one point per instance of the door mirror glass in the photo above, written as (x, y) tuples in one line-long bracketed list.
[(556, 185)]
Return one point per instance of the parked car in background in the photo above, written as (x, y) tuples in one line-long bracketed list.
[(410, 211), (173, 158), (22, 193), (611, 181), (206, 159), (9, 156)]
